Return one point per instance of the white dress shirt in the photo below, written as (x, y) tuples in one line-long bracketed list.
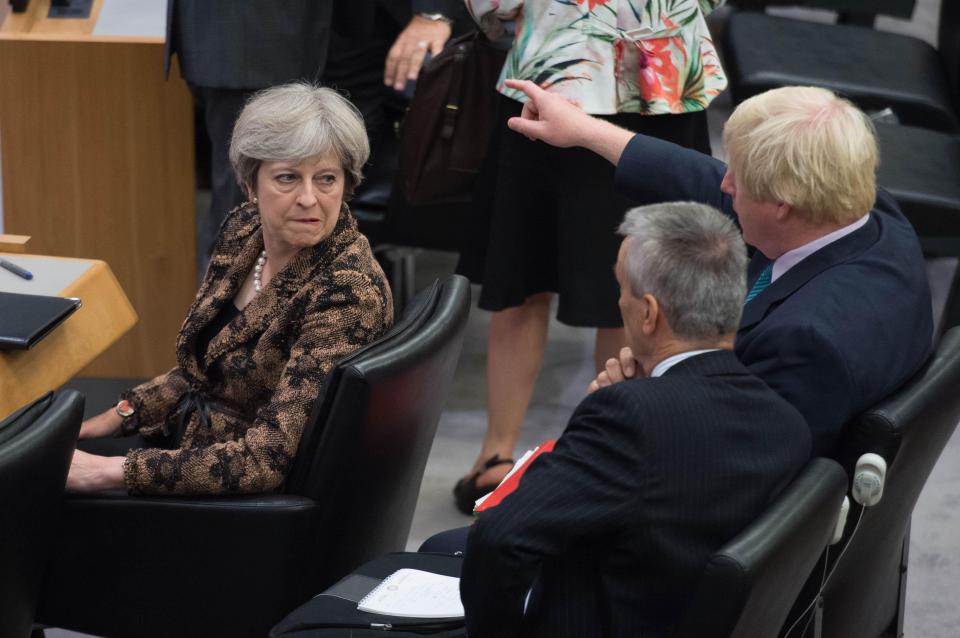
[(673, 360), (791, 258)]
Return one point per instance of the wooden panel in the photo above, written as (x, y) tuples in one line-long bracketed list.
[(14, 243), (98, 163), (105, 315)]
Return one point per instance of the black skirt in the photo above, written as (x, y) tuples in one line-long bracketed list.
[(545, 219)]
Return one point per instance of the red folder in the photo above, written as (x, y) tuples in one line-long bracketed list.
[(512, 480)]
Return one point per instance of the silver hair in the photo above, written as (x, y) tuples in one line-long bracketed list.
[(295, 121), (692, 259)]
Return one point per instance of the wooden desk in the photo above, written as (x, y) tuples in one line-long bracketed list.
[(97, 160), (104, 317)]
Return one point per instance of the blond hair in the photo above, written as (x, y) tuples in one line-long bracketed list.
[(805, 147)]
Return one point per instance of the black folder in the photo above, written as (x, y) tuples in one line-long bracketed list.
[(26, 319)]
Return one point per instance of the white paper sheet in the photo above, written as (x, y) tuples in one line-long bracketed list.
[(412, 593)]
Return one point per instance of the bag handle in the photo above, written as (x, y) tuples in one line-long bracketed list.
[(452, 107)]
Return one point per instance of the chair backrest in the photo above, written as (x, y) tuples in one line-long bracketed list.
[(302, 474), (749, 585), (374, 430), (948, 43), (909, 430), (33, 471), (21, 419)]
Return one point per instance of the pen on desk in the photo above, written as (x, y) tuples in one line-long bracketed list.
[(15, 269)]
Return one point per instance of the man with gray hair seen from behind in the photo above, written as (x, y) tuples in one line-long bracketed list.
[(838, 313), (610, 531)]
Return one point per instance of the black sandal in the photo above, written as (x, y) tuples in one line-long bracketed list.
[(466, 492)]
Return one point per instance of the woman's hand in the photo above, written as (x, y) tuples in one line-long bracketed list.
[(406, 55), (91, 473), (616, 370), (104, 424)]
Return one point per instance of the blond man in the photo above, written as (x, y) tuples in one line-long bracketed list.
[(838, 310)]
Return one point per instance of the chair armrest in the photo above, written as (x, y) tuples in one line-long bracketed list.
[(119, 501)]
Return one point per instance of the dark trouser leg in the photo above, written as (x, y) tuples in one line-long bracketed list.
[(355, 68), (448, 542), (220, 108)]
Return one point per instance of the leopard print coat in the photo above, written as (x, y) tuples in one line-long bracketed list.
[(267, 365)]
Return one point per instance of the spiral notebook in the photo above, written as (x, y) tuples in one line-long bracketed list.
[(26, 319), (414, 593)]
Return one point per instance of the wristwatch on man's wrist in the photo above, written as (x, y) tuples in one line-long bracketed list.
[(436, 17), (125, 408)]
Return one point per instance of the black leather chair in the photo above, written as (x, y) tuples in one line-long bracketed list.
[(36, 445), (749, 585), (864, 596), (140, 566), (921, 169), (863, 12), (872, 68)]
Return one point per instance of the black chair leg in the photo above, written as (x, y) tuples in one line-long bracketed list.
[(896, 627)]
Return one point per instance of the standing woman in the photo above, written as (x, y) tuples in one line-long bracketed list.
[(545, 218)]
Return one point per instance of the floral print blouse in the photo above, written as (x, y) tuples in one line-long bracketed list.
[(610, 56)]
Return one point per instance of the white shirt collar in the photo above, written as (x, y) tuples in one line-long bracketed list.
[(791, 258), (671, 361)]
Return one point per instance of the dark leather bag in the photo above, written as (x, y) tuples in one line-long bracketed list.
[(443, 137)]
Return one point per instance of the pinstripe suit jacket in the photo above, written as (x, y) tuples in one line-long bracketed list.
[(613, 527)]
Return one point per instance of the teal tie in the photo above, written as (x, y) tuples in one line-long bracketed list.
[(761, 284)]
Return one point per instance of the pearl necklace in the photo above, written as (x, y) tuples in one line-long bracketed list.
[(258, 271)]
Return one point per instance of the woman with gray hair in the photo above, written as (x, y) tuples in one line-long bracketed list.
[(291, 288)]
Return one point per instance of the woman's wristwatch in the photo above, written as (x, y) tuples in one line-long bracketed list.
[(125, 408)]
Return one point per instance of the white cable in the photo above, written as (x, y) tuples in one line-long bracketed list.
[(826, 579)]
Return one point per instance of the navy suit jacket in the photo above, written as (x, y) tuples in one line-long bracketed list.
[(837, 332), (650, 477)]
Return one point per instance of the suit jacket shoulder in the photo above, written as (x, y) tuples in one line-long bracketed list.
[(846, 326)]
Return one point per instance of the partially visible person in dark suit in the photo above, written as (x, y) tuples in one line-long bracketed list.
[(229, 48), (839, 313), (612, 529), (291, 289)]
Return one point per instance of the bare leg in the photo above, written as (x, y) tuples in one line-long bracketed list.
[(514, 355), (609, 343)]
